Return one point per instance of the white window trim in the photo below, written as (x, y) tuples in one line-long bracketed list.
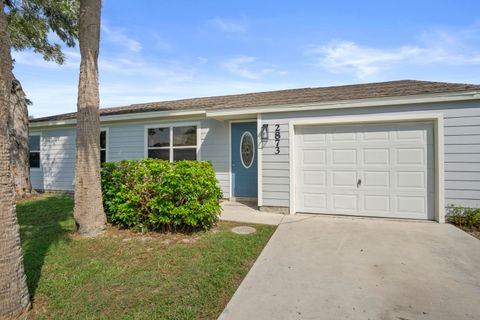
[(171, 125), (435, 118), (39, 134), (107, 143)]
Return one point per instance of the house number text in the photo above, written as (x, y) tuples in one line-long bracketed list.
[(277, 139)]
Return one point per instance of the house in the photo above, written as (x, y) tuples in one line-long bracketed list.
[(401, 149)]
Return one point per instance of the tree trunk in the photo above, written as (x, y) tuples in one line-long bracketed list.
[(19, 140), (14, 299), (88, 212)]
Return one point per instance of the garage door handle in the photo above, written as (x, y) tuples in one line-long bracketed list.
[(359, 183)]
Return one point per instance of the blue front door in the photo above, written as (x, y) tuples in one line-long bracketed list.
[(244, 159)]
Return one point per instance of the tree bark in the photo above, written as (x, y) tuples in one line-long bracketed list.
[(14, 299), (88, 212), (19, 141)]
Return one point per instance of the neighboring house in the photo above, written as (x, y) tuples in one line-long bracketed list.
[(403, 149)]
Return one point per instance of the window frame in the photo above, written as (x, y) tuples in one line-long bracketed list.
[(36, 134), (107, 141), (171, 147)]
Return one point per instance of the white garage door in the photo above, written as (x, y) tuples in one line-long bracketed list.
[(384, 170)]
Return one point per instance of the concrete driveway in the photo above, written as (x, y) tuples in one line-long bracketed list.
[(319, 267)]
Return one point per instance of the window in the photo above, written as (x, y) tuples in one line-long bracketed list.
[(34, 146), (103, 146), (247, 151), (172, 143)]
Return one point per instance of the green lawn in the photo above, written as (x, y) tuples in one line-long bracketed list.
[(124, 275)]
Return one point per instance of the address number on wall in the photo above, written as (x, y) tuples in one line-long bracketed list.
[(277, 139)]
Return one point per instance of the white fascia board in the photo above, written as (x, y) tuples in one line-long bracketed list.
[(123, 117), (343, 104)]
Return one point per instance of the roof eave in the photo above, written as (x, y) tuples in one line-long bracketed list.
[(344, 104), (224, 114)]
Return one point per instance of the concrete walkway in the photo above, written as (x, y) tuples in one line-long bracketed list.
[(319, 267), (241, 212)]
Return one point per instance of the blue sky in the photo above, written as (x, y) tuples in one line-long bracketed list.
[(164, 50)]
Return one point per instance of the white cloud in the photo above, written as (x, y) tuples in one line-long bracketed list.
[(243, 66), (143, 70), (32, 59), (365, 61), (117, 36), (230, 25)]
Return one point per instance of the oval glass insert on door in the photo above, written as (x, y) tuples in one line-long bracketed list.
[(247, 149)]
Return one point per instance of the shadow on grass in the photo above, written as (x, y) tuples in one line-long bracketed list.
[(43, 223)]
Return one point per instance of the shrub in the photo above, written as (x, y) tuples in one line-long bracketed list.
[(464, 217), (154, 194)]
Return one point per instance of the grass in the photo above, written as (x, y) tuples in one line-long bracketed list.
[(124, 275)]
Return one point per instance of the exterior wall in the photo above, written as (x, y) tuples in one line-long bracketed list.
[(57, 158), (215, 147), (125, 142), (462, 149)]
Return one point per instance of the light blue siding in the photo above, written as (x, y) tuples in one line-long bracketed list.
[(125, 142), (215, 147), (462, 149), (57, 156)]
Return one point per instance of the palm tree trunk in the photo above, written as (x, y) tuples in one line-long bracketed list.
[(19, 141), (14, 299), (88, 212)]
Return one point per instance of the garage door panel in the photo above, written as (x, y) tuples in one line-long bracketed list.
[(344, 137), (344, 202), (376, 179), (376, 156), (344, 179), (314, 157), (410, 179), (317, 201), (343, 156), (410, 135), (410, 156), (410, 205), (314, 177), (376, 136), (377, 204), (393, 161)]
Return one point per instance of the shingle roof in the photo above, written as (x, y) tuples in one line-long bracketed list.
[(285, 97)]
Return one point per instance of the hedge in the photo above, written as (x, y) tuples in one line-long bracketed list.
[(153, 194)]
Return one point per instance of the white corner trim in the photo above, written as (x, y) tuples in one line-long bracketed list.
[(259, 161), (437, 120), (230, 186), (291, 165), (439, 143)]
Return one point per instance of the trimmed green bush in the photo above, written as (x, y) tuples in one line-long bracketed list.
[(153, 194), (464, 217)]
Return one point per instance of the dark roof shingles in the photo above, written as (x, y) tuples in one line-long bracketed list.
[(285, 97)]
